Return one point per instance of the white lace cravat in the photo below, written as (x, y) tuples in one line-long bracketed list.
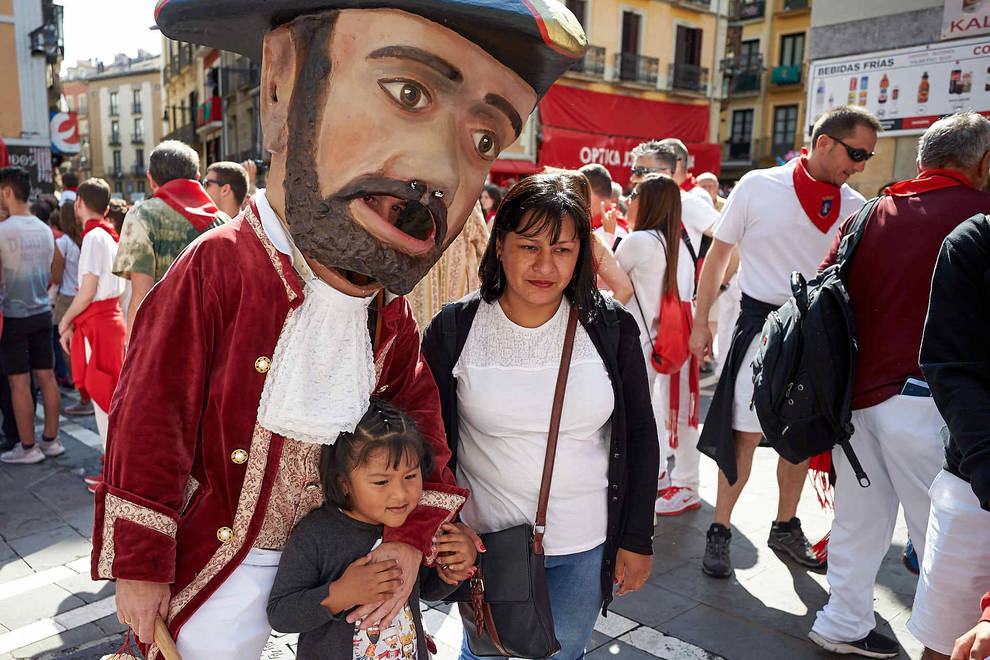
[(323, 370)]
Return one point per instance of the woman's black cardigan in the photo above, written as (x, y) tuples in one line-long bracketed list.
[(634, 451)]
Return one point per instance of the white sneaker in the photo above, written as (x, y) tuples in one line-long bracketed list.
[(51, 448), (675, 500), (21, 455)]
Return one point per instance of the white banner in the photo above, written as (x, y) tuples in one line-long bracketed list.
[(907, 89)]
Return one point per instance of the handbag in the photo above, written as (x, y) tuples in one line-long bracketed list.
[(505, 606)]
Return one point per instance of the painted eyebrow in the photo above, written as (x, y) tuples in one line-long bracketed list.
[(438, 64), (497, 101)]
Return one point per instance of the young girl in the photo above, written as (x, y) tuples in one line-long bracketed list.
[(371, 478)]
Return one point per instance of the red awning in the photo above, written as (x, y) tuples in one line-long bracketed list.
[(581, 127), (512, 166), (4, 154)]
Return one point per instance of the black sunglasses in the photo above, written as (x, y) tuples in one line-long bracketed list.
[(855, 155), (633, 195), (206, 182), (643, 171)]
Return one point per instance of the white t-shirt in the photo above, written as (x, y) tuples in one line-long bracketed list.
[(96, 258), (506, 376), (697, 215), (70, 273), (643, 256), (775, 235), (700, 192)]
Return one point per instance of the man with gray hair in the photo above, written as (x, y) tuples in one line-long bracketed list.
[(896, 421), (155, 232), (684, 179)]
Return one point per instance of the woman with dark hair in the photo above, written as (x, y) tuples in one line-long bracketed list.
[(495, 356), (65, 275), (491, 197), (659, 259)]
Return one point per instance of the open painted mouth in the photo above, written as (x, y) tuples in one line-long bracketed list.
[(392, 212)]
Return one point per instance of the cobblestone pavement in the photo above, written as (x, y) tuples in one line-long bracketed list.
[(49, 607)]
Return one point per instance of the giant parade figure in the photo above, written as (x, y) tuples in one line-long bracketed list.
[(268, 335)]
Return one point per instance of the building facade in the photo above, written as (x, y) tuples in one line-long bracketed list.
[(120, 123), (30, 57), (765, 71), (650, 72)]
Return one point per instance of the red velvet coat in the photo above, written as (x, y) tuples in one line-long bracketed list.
[(179, 504)]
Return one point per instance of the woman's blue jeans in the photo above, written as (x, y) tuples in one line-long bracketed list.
[(575, 586)]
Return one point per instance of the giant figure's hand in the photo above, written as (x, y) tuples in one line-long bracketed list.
[(138, 603), (974, 645), (381, 614)]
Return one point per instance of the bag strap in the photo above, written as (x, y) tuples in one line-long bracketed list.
[(850, 240), (558, 404)]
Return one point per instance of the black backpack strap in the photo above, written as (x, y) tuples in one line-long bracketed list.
[(854, 232), (694, 257)]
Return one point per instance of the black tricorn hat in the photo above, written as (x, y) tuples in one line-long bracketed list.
[(538, 39)]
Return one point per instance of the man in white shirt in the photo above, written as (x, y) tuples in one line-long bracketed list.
[(92, 330), (685, 179), (783, 220), (606, 219), (697, 214)]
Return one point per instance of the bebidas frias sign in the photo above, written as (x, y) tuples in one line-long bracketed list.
[(907, 89)]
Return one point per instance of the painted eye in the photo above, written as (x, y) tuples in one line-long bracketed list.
[(485, 144), (409, 95)]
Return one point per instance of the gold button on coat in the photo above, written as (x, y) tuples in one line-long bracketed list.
[(263, 364), (239, 456), (224, 534)]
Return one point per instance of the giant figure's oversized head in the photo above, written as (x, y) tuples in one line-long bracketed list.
[(384, 117)]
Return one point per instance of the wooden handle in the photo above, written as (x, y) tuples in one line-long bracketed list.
[(163, 638)]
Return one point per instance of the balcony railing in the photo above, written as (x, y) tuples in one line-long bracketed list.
[(744, 10), (114, 110), (592, 64), (137, 139), (742, 150), (114, 140), (790, 5), (688, 77), (786, 75), (185, 133), (701, 3), (114, 173), (136, 109), (243, 73), (744, 71), (637, 68)]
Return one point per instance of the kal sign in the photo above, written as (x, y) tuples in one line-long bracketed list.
[(965, 18)]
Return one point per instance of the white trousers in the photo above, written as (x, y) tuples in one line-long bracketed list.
[(898, 444), (233, 622), (102, 420), (955, 568), (686, 456)]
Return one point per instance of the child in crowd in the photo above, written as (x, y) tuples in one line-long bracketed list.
[(371, 478)]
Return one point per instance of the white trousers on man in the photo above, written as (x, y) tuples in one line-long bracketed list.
[(898, 444), (686, 456), (233, 622)]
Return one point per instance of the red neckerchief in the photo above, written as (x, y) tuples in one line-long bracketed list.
[(927, 181), (820, 201), (620, 221), (103, 224), (72, 190), (187, 197), (57, 233), (688, 183)]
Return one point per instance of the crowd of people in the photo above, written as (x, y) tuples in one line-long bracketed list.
[(317, 462)]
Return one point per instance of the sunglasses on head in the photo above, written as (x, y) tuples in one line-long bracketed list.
[(855, 155), (643, 171)]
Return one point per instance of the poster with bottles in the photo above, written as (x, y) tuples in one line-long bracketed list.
[(907, 89)]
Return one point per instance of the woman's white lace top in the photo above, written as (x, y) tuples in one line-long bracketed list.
[(506, 376)]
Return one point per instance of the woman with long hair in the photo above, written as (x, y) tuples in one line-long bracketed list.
[(659, 260), (496, 374), (491, 197), (65, 275)]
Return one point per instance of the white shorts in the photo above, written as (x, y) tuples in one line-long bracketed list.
[(743, 416), (955, 571)]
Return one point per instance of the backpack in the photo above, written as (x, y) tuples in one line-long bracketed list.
[(805, 368), (670, 347)]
